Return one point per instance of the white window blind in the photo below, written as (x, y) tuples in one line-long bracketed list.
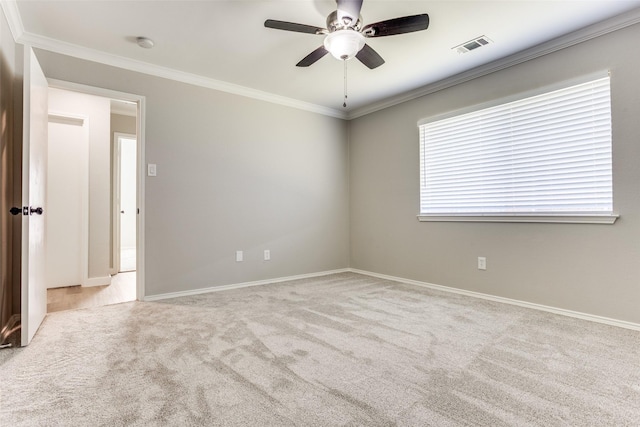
[(548, 154)]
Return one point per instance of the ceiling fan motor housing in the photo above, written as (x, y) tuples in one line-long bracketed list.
[(335, 24)]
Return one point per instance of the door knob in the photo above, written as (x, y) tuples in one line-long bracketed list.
[(121, 211), (38, 211), (15, 211)]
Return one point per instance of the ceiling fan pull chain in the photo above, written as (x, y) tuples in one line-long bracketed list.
[(345, 83)]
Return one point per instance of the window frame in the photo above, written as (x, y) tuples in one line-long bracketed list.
[(585, 217)]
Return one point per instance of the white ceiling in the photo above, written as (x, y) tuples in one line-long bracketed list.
[(224, 44)]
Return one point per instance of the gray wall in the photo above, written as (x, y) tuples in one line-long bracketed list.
[(122, 124), (587, 268), (233, 174), (236, 173)]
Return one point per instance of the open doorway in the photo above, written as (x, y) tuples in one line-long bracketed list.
[(126, 204), (106, 198)]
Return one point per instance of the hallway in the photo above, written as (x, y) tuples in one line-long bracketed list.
[(122, 289)]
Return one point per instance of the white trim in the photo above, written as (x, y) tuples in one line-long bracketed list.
[(534, 306), (92, 90), (81, 52), (12, 13), (159, 297), (556, 219), (140, 131), (84, 203), (555, 310), (523, 158), (66, 119), (97, 281), (115, 205), (596, 30), (140, 242)]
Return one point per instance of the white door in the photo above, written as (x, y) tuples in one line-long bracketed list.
[(127, 147), (34, 172), (67, 164)]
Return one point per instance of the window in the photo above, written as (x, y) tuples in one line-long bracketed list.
[(544, 158)]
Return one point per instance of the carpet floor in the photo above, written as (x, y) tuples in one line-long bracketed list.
[(339, 350)]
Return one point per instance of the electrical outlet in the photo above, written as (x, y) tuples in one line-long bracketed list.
[(482, 263), (267, 254), (239, 256)]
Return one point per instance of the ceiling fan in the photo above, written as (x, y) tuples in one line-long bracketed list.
[(345, 35)]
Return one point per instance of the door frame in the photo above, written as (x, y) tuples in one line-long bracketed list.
[(140, 102)]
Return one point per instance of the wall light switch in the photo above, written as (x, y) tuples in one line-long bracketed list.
[(151, 169)]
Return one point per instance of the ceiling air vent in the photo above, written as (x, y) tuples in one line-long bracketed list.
[(472, 44)]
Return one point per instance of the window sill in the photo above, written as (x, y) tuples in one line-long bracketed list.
[(561, 219)]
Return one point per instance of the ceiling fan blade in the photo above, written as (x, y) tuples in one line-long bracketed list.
[(349, 9), (369, 57), (390, 27), (312, 57), (292, 26)]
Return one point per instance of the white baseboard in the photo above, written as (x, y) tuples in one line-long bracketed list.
[(97, 281), (525, 304), (555, 310), (240, 285)]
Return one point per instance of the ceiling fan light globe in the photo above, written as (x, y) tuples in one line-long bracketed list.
[(344, 44)]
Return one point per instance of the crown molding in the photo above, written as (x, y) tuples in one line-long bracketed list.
[(84, 53), (14, 20), (11, 12), (596, 30)]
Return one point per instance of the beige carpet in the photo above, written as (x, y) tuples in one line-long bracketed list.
[(344, 349)]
